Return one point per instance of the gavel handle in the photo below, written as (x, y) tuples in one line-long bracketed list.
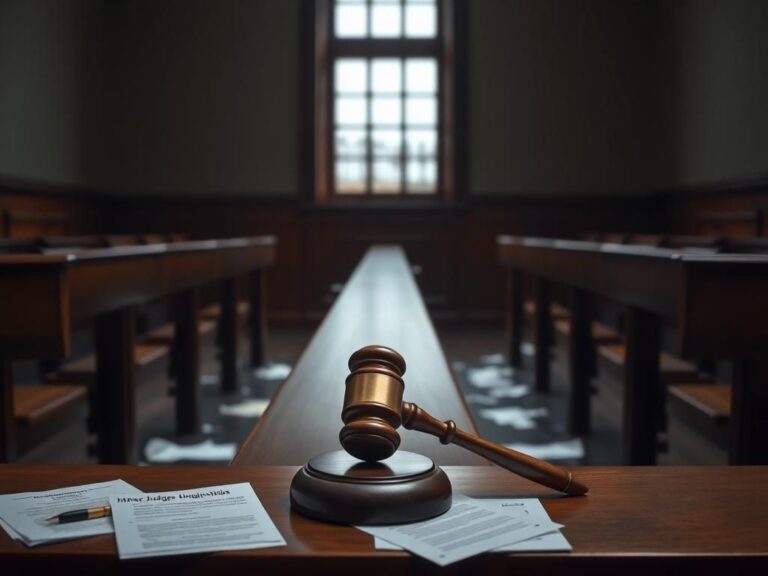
[(414, 418)]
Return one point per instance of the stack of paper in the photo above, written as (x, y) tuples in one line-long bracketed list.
[(228, 517), (473, 526), (23, 516)]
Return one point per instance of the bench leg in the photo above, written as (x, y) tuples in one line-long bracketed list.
[(749, 412), (258, 320), (8, 423), (228, 335), (580, 358), (515, 315), (542, 334), (641, 386), (115, 397), (187, 362)]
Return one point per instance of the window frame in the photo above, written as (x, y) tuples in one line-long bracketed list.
[(317, 101)]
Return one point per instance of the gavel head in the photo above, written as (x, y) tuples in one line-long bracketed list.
[(372, 403)]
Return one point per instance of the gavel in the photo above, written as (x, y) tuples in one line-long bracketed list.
[(374, 409)]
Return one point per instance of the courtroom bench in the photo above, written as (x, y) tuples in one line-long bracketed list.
[(83, 369), (704, 407), (43, 297), (41, 411), (80, 370), (713, 300), (672, 369)]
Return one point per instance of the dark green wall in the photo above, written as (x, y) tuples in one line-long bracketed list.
[(719, 50), (46, 80), (143, 96), (565, 96), (204, 96)]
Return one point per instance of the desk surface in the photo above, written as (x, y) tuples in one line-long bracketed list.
[(676, 284), (634, 520), (41, 295), (379, 305)]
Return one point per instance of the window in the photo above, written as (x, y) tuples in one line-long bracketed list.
[(381, 111)]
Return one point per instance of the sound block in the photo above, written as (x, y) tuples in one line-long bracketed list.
[(337, 487)]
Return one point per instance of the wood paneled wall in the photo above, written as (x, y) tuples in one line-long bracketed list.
[(738, 209), (31, 210), (452, 249)]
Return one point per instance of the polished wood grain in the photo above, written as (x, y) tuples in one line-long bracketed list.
[(636, 520), (379, 305), (42, 297), (35, 403), (674, 284), (374, 409), (336, 487), (534, 469), (716, 301)]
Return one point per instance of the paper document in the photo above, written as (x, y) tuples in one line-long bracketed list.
[(26, 513), (8, 530), (228, 517), (531, 507), (550, 542), (468, 528)]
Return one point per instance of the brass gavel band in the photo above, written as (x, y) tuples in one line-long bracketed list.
[(372, 394)]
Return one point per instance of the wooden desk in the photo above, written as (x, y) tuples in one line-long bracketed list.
[(697, 520), (379, 305), (42, 296), (717, 302)]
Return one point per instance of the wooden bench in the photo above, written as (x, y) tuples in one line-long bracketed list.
[(601, 333), (164, 335), (716, 302), (380, 304), (42, 410), (43, 296), (212, 312), (556, 311), (83, 369), (704, 407), (672, 369)]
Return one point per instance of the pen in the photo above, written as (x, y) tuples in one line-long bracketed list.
[(77, 515)]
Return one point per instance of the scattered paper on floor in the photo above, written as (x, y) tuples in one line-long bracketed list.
[(567, 450), (490, 376), (514, 416), (493, 359), (162, 451), (517, 391), (251, 408), (481, 399), (276, 371)]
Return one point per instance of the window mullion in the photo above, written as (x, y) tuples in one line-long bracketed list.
[(369, 49), (402, 128), (369, 129)]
